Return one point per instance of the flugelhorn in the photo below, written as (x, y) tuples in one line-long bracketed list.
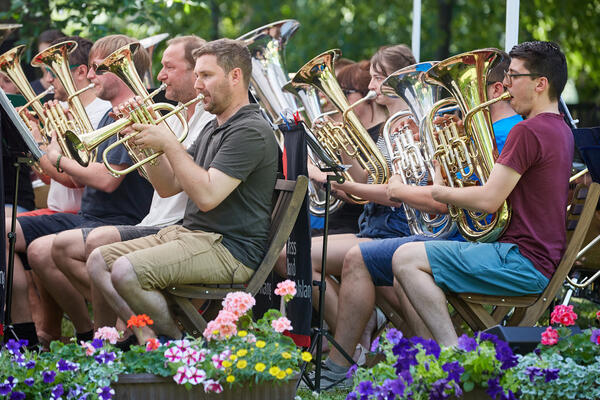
[(469, 153), (349, 136), (409, 157), (121, 64)]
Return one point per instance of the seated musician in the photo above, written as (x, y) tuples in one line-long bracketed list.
[(229, 174), (532, 173), (178, 74)]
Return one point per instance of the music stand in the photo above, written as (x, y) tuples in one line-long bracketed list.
[(34, 153), (319, 332)]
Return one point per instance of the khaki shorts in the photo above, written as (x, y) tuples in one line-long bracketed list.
[(176, 255)]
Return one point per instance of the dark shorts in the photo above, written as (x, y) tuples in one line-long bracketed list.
[(42, 225), (130, 232), (377, 255), (382, 222), (496, 269)]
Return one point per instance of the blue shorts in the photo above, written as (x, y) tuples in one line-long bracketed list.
[(496, 269), (382, 222), (377, 255), (42, 225)]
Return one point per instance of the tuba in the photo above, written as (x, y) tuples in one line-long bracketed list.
[(472, 153), (350, 136), (409, 158), (121, 64), (267, 48)]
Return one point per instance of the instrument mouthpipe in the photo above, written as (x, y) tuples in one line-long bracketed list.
[(370, 96), (77, 93)]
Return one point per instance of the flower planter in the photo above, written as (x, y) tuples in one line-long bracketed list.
[(475, 394), (152, 387)]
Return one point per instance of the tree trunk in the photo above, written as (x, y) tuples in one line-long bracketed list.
[(216, 18), (446, 8)]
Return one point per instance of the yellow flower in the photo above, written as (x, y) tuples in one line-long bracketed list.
[(242, 352), (242, 333), (276, 344), (281, 375), (260, 344), (289, 371), (230, 378), (260, 367), (233, 357), (227, 364), (306, 356), (274, 371), (215, 332), (286, 355), (242, 364)]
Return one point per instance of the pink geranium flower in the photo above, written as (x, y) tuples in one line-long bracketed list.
[(89, 349), (152, 344), (281, 325), (107, 333), (549, 337), (238, 303), (563, 315), (286, 289)]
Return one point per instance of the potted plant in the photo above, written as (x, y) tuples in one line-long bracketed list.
[(235, 356)]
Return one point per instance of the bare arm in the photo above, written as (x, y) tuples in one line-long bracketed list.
[(419, 197)]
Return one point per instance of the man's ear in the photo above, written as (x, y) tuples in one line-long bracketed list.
[(498, 89), (542, 84), (81, 71), (236, 75)]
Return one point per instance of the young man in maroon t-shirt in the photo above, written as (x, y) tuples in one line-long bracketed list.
[(532, 173)]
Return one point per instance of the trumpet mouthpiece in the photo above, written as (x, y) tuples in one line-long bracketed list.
[(371, 95)]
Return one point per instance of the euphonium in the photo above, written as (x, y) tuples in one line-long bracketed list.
[(463, 156), (408, 157), (56, 58), (269, 76), (350, 136), (120, 63)]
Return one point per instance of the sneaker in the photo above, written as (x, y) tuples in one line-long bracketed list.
[(330, 379)]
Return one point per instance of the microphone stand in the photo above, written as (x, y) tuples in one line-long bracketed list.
[(319, 332)]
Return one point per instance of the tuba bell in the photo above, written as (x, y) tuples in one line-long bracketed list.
[(409, 158), (350, 136), (121, 64), (464, 156)]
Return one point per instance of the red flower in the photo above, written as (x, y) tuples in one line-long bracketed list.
[(598, 315), (563, 315), (549, 337), (139, 321), (152, 344)]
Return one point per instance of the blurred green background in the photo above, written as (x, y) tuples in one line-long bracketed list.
[(358, 27)]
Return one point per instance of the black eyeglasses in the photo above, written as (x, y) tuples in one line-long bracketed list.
[(348, 91), (510, 76)]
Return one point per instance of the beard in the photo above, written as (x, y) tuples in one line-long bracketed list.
[(219, 99)]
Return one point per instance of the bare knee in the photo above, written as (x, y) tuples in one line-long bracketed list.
[(61, 246), (95, 264), (101, 236), (39, 253), (354, 262), (403, 262), (122, 274)]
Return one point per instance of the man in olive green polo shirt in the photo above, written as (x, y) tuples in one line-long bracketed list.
[(229, 174)]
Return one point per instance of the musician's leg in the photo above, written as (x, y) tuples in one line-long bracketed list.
[(68, 254), (415, 325), (413, 272)]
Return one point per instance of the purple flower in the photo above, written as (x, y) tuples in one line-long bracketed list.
[(375, 345), (438, 390), (494, 389), (65, 365), (454, 370), (97, 343), (351, 396), (550, 374), (505, 355), (595, 335), (105, 393), (23, 342), (365, 388), (30, 364), (407, 355), (351, 371), (484, 336), (105, 357), (532, 372), (508, 396), (431, 347), (396, 386), (538, 352), (49, 376), (5, 389), (466, 343), (13, 346), (17, 395), (19, 358), (29, 381), (57, 391), (393, 336)]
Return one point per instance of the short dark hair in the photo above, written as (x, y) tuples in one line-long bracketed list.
[(230, 54), (389, 59), (499, 66), (50, 36), (80, 55), (109, 44), (545, 59), (190, 43)]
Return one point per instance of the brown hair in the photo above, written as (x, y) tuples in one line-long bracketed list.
[(190, 43), (230, 54), (389, 59), (355, 77), (501, 64), (108, 44)]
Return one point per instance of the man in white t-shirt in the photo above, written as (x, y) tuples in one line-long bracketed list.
[(178, 74)]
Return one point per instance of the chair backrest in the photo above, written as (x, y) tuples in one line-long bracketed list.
[(289, 198)]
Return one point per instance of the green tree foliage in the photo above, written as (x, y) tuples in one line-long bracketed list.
[(358, 27)]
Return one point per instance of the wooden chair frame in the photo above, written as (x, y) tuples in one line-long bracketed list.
[(529, 309), (289, 198)]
